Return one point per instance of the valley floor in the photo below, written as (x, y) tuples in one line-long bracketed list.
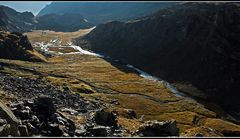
[(113, 85)]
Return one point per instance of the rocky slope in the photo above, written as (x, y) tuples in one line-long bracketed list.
[(11, 20), (38, 108), (94, 97), (64, 23), (17, 46), (194, 45), (100, 12)]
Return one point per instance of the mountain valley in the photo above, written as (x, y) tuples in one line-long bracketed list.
[(155, 75)]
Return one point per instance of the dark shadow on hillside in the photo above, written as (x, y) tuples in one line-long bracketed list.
[(222, 110), (120, 65)]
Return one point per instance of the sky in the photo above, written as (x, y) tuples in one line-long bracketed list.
[(22, 6)]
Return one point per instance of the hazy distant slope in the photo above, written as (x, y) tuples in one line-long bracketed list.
[(65, 22), (99, 12)]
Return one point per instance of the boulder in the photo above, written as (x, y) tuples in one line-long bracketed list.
[(7, 114), (55, 130), (158, 129), (80, 132), (44, 106), (105, 118), (69, 110), (131, 113), (3, 122), (5, 130), (23, 130), (115, 101), (17, 105), (32, 130), (100, 131)]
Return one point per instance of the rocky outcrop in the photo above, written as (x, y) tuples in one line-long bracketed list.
[(192, 44), (17, 46)]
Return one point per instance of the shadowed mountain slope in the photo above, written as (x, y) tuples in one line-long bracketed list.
[(194, 44)]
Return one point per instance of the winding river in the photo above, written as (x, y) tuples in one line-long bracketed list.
[(140, 72)]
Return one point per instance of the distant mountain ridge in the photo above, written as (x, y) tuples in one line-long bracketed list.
[(66, 22), (13, 21), (72, 16), (100, 12)]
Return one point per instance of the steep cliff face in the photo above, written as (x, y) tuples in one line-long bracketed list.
[(16, 46), (12, 20), (2, 21), (100, 12), (196, 43)]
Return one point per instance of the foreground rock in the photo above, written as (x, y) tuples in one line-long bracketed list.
[(158, 129), (8, 122), (39, 117)]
